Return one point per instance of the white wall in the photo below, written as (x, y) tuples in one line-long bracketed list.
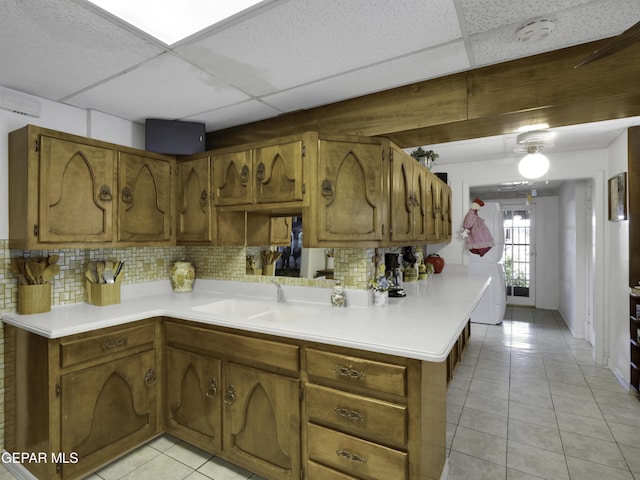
[(618, 261), (64, 118), (574, 255)]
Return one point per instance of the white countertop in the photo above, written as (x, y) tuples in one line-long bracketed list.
[(424, 325)]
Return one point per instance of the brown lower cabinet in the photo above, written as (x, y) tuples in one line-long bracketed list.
[(279, 407)]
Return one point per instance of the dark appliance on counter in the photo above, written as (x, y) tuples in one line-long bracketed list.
[(392, 262)]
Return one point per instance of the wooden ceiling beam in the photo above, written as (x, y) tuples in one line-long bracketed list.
[(493, 100)]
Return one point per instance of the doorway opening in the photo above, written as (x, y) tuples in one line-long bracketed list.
[(519, 254)]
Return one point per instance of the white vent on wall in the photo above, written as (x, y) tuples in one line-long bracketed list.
[(20, 105)]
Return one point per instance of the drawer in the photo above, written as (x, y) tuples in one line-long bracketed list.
[(239, 348), (102, 345), (363, 416), (356, 457), (315, 471), (347, 371)]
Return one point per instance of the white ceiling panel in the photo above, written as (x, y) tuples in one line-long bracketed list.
[(165, 87), (417, 67), (485, 15), (306, 40), (578, 25), (236, 114), (54, 48)]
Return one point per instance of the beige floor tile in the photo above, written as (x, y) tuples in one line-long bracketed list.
[(625, 434), (484, 422), (632, 456), (593, 450), (586, 407), (544, 417), (584, 470), (480, 445), (162, 467), (466, 467), (486, 403), (221, 470), (128, 463), (537, 461), (590, 427), (535, 435), (188, 454), (492, 389)]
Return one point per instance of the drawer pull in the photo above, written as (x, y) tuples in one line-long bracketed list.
[(150, 378), (350, 414), (118, 342), (351, 456), (350, 373), (230, 396), (213, 388)]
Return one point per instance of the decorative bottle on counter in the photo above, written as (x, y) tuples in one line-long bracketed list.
[(338, 297), (182, 276)]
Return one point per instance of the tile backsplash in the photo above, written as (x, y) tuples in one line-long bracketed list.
[(353, 267)]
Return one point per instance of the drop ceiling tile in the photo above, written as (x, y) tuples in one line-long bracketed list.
[(305, 40), (52, 49), (165, 87), (584, 24), (401, 71), (484, 15), (236, 114)]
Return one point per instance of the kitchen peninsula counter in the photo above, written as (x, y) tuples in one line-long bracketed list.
[(213, 367), (424, 325)]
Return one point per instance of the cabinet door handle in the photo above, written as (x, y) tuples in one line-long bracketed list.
[(203, 198), (150, 378), (213, 388), (260, 172), (327, 188), (350, 414), (105, 193), (351, 456), (230, 395), (127, 195), (349, 372), (244, 174)]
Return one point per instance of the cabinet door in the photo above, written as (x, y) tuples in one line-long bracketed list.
[(351, 199), (144, 207), (194, 201), (107, 410), (232, 178), (193, 408), (402, 197), (433, 208), (278, 173), (445, 212), (420, 216), (262, 421), (75, 188)]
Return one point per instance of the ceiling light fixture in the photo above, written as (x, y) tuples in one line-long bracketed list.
[(172, 21), (534, 164)]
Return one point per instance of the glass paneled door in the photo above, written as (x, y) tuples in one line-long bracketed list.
[(519, 254)]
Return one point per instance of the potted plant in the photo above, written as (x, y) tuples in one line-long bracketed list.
[(426, 157)]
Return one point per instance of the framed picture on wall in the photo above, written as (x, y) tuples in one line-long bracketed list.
[(618, 197)]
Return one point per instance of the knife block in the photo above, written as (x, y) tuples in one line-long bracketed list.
[(103, 294), (34, 298)]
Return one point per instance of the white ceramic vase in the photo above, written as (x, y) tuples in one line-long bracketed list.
[(182, 276)]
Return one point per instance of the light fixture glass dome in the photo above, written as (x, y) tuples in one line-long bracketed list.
[(533, 165)]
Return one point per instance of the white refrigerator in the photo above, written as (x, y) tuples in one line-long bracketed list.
[(492, 305)]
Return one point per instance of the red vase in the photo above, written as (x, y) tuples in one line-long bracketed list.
[(437, 261)]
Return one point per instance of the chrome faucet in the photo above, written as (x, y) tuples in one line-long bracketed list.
[(280, 291)]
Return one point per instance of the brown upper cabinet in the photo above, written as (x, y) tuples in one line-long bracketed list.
[(66, 190), (258, 176), (146, 198), (408, 198), (194, 206), (355, 191)]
